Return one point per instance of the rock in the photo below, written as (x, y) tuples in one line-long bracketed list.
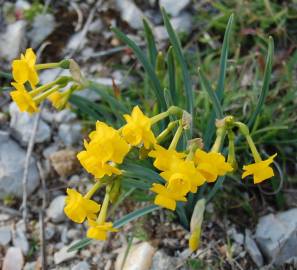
[(181, 24), (130, 13), (49, 231), (174, 8), (96, 26), (13, 259), (253, 250), (22, 123), (64, 162), (81, 266), (32, 266), (76, 42), (19, 238), (47, 152), (276, 236), (12, 41), (139, 257), (43, 25), (161, 261), (70, 134), (55, 210), (237, 237), (50, 75), (64, 116), (12, 158), (64, 255), (5, 235)]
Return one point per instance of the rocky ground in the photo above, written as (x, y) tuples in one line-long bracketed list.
[(79, 29)]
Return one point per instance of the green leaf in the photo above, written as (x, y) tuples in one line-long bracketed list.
[(171, 76), (212, 94), (151, 44), (266, 81), (80, 244), (180, 58), (134, 183), (147, 66)]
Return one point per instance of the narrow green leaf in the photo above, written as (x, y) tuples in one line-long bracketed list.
[(266, 81), (180, 58), (147, 66), (80, 244), (151, 44), (212, 94), (171, 76)]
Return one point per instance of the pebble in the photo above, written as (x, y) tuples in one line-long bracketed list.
[(81, 266), (13, 259), (55, 210), (161, 261), (21, 124), (12, 158), (64, 255), (70, 134), (5, 235), (19, 238), (64, 116), (253, 250), (174, 8)]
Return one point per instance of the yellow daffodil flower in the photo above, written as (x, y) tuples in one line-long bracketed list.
[(138, 129), (23, 99), (99, 231), (260, 170), (78, 208), (211, 164), (167, 197), (23, 70), (105, 148), (59, 99), (164, 158)]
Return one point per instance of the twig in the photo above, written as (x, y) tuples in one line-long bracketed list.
[(10, 211), (41, 218), (26, 167)]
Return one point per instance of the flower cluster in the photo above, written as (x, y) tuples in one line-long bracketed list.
[(28, 93)]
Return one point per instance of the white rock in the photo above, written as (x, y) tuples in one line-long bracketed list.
[(70, 134), (181, 24), (50, 75), (5, 235), (55, 210), (13, 259), (96, 26), (81, 266), (21, 124), (12, 41), (139, 257), (174, 7), (19, 238), (130, 13), (253, 250), (277, 236), (64, 116), (64, 255), (43, 25), (12, 158), (76, 42), (161, 261), (31, 266)]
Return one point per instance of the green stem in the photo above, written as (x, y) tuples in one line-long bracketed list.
[(253, 148), (42, 88), (231, 151), (47, 65), (166, 131), (93, 189), (171, 110), (221, 133), (176, 137), (103, 212), (44, 95)]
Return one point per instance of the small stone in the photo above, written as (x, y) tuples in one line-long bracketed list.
[(64, 116), (31, 266), (5, 235), (64, 255), (21, 124), (70, 134), (237, 237), (253, 250), (96, 26), (56, 209), (13, 259), (81, 266), (130, 13), (161, 261), (73, 234), (174, 8), (49, 231), (139, 257), (47, 152), (19, 238), (64, 162)]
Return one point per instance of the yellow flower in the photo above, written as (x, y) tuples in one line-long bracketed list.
[(105, 148), (23, 98), (99, 231), (138, 129), (211, 164), (165, 158), (59, 99), (78, 208), (23, 69), (260, 170), (167, 197), (186, 177)]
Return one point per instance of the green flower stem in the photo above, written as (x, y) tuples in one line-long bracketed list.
[(221, 133), (44, 95), (42, 88), (253, 148), (176, 137), (93, 189), (103, 212), (166, 131), (171, 110), (62, 64), (231, 151)]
